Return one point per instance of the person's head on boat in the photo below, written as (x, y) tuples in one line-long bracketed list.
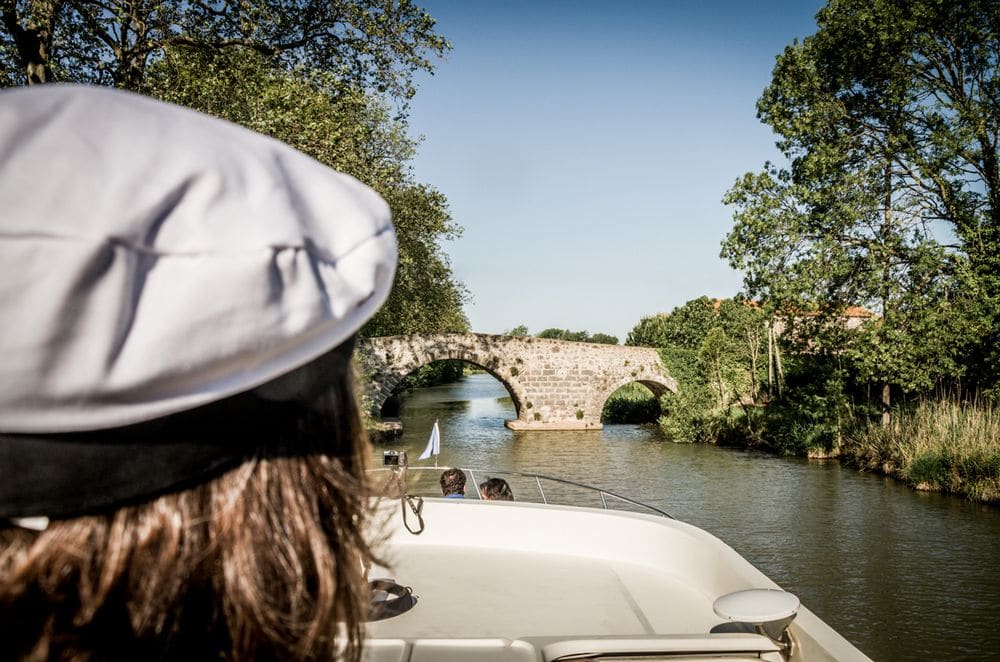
[(181, 453), (496, 489), (453, 483)]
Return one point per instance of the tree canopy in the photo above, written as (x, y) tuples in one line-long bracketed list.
[(578, 336), (323, 77), (715, 349), (685, 326), (518, 331), (350, 131), (889, 116), (376, 44)]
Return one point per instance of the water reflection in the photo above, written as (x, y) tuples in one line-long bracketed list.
[(903, 575)]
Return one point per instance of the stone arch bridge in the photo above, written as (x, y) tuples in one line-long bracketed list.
[(555, 384)]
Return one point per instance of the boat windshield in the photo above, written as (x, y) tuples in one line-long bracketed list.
[(526, 487)]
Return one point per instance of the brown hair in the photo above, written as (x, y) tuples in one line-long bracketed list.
[(452, 481), (262, 562), (496, 489)]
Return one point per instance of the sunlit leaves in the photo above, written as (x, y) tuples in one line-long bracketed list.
[(375, 45), (352, 132), (888, 116)]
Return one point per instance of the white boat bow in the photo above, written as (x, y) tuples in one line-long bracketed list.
[(539, 582)]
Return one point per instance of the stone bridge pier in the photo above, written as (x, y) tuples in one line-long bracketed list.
[(555, 384)]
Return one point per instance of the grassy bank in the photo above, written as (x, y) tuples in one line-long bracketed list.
[(940, 446)]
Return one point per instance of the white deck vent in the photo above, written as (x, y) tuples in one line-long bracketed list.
[(769, 611)]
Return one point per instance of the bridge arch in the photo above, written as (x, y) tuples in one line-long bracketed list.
[(392, 382), (555, 384), (657, 386)]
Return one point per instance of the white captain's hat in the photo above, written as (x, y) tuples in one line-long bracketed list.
[(154, 259)]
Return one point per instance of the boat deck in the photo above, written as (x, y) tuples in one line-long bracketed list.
[(505, 582), (514, 594)]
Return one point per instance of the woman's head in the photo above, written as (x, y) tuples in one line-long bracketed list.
[(176, 390), (496, 489)]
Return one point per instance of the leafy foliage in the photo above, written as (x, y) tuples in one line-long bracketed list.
[(687, 414), (375, 45), (432, 374), (347, 130), (577, 336), (519, 331), (649, 332), (713, 348), (888, 116), (632, 403)]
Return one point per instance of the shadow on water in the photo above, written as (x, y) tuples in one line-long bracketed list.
[(904, 575)]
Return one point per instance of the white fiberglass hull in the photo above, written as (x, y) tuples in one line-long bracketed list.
[(532, 582)]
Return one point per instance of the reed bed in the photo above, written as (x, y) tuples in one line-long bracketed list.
[(940, 446)]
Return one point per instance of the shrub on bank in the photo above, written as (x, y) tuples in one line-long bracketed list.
[(687, 414), (940, 446)]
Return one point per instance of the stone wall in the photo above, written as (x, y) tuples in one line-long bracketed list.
[(555, 384)]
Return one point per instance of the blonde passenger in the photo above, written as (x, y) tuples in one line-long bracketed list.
[(182, 459)]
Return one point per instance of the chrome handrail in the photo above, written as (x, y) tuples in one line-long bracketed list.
[(538, 481)]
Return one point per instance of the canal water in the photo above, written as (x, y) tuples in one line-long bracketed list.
[(903, 575)]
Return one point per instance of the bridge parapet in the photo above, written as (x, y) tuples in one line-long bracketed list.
[(555, 384)]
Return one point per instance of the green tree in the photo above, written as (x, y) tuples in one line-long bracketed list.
[(746, 331), (563, 334), (711, 356), (687, 414), (577, 336), (714, 348), (888, 117), (518, 331), (374, 44), (347, 130), (425, 297), (650, 331), (689, 324)]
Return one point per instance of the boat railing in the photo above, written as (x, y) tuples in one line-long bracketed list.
[(566, 492)]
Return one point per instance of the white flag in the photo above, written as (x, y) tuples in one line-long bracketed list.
[(433, 444)]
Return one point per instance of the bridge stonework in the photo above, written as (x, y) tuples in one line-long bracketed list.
[(555, 384)]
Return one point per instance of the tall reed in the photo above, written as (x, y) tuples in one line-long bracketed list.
[(939, 445)]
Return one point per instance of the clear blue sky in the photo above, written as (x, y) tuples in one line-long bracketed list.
[(585, 148)]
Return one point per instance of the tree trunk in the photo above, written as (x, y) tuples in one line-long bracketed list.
[(886, 275), (770, 357), (780, 378), (886, 401), (33, 42), (753, 349)]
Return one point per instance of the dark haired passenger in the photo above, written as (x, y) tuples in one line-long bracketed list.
[(496, 489), (182, 460), (453, 483)]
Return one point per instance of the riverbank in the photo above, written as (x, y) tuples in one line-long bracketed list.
[(939, 446), (935, 446)]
